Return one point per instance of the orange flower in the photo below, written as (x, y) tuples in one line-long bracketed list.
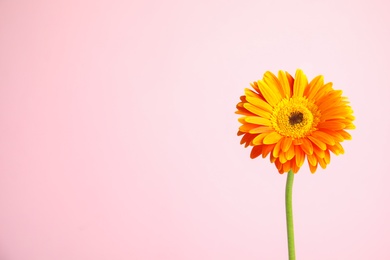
[(290, 120)]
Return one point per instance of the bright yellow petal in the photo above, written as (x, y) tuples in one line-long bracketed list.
[(290, 81), (260, 129), (300, 84), (284, 83), (260, 104), (255, 86), (257, 111), (272, 138), (251, 93), (272, 96), (257, 120), (273, 82), (259, 139)]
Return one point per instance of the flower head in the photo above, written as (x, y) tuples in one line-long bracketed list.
[(291, 119)]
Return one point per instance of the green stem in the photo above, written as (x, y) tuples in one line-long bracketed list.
[(289, 216)]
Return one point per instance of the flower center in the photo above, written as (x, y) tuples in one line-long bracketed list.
[(295, 117)]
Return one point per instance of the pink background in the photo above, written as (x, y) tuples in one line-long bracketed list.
[(118, 133)]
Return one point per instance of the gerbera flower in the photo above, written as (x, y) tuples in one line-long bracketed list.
[(290, 120)]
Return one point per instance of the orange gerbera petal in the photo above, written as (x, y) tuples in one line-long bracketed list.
[(336, 149), (318, 152), (287, 143), (345, 134), (335, 135), (332, 125), (272, 159), (312, 159), (277, 149), (317, 142), (321, 162), (278, 165), (327, 157), (247, 138), (294, 166), (323, 90), (255, 86), (247, 127), (324, 137), (290, 153), (256, 151), (267, 149), (313, 168), (307, 146), (314, 86), (286, 166), (299, 156)]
